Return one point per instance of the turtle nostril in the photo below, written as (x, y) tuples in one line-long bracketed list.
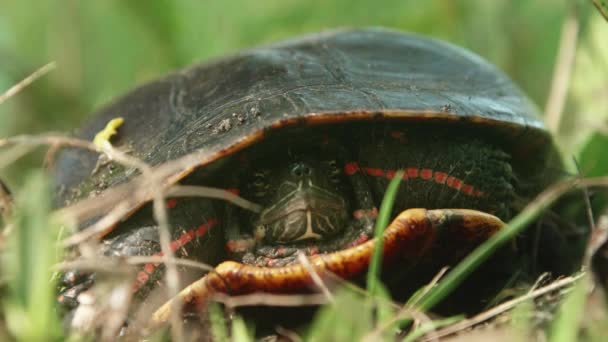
[(301, 170)]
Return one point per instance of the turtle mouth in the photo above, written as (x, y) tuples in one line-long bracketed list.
[(306, 213)]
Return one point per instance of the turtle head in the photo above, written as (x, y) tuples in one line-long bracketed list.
[(305, 199)]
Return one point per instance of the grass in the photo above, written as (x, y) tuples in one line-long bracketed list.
[(384, 217), (28, 258)]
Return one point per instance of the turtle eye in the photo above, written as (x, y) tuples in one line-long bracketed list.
[(260, 185), (334, 171)]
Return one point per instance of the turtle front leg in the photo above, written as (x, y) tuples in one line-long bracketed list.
[(365, 211), (411, 236), (196, 234)]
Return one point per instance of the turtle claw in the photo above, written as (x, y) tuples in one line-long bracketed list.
[(73, 284), (412, 235)]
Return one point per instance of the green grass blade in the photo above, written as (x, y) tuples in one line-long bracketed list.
[(28, 259), (218, 323), (348, 318), (566, 326), (240, 331), (485, 250), (386, 209), (602, 7)]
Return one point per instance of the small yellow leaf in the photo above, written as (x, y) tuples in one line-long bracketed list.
[(103, 137)]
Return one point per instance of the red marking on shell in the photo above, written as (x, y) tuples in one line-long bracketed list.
[(373, 212), (399, 136), (456, 184), (396, 134), (238, 245), (143, 276), (450, 181), (412, 172), (359, 240), (141, 279), (171, 203), (202, 229), (467, 189), (361, 213), (426, 174), (234, 191), (374, 172), (351, 168), (149, 268), (441, 177)]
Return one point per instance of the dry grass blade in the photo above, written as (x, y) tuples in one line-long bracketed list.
[(101, 227), (122, 208), (563, 71), (108, 264), (13, 154), (428, 286), (409, 310), (130, 202), (27, 81), (315, 276), (209, 192), (138, 260), (171, 274), (7, 229), (418, 316), (289, 334), (497, 310), (6, 203), (89, 208), (598, 238), (148, 186), (138, 189), (161, 217), (269, 299)]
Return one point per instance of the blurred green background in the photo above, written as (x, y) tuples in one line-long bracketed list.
[(104, 48)]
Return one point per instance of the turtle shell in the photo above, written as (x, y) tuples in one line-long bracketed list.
[(238, 106), (208, 111)]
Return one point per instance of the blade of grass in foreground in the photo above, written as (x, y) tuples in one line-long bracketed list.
[(485, 250), (386, 208), (218, 323), (27, 260), (571, 312), (602, 7)]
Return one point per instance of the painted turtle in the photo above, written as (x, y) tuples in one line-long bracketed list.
[(313, 129)]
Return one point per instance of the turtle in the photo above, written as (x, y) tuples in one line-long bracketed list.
[(312, 130)]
